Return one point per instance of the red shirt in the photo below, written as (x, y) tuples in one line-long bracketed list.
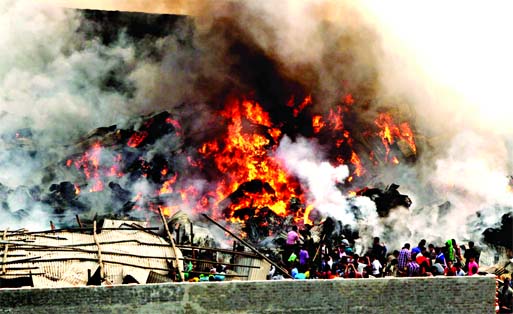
[(450, 271)]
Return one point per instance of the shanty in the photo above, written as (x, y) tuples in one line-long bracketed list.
[(113, 253)]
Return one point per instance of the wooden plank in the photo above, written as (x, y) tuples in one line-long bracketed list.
[(100, 262), (172, 243)]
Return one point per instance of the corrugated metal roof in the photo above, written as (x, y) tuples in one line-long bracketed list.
[(66, 258)]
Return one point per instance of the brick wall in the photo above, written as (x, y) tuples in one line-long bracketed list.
[(397, 295)]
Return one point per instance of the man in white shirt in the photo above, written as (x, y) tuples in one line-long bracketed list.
[(376, 267)]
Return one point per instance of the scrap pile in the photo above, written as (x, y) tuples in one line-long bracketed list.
[(117, 252)]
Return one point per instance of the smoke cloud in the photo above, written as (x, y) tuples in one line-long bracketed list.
[(433, 64)]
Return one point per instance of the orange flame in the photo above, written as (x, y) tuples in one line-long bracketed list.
[(167, 187), (389, 131), (306, 219), (77, 189), (137, 138), (355, 160), (335, 118), (242, 156), (307, 101), (317, 123)]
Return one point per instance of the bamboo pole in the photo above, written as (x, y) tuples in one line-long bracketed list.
[(23, 274), (21, 268), (31, 259), (132, 228), (79, 222), (189, 247), (6, 248), (284, 271), (214, 262), (88, 259), (172, 244), (21, 261), (192, 234), (318, 248), (100, 262), (226, 275), (14, 255)]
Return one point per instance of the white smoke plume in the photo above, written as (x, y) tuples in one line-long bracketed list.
[(304, 158)]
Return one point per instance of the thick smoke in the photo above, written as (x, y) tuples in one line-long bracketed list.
[(435, 64), (51, 93), (451, 81), (304, 158)]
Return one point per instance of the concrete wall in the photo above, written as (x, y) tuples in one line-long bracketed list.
[(397, 295)]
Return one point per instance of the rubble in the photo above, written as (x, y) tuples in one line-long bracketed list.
[(117, 252)]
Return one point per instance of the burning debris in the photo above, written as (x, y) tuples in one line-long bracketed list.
[(201, 117), (387, 199)]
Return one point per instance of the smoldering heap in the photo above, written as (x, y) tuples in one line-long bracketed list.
[(254, 123)]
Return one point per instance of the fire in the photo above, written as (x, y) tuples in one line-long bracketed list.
[(307, 219), (391, 132), (77, 189), (244, 156), (355, 160), (317, 123), (137, 138), (167, 211), (348, 99), (167, 187), (296, 110), (335, 118), (245, 177), (94, 168)]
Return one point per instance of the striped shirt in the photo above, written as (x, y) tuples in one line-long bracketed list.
[(413, 269), (403, 258)]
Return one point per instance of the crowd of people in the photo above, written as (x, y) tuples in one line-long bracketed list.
[(334, 259)]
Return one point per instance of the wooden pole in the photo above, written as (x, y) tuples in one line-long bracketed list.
[(79, 222), (284, 271), (198, 248), (6, 248), (192, 234), (95, 237), (318, 248), (166, 227)]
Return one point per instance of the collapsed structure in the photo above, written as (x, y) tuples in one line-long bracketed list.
[(117, 252)]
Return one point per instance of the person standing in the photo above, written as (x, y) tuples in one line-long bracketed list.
[(303, 260), (379, 250), (376, 267), (473, 267), (471, 251), (291, 243)]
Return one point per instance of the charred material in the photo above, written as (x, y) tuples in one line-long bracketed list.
[(502, 235), (244, 193), (386, 199)]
